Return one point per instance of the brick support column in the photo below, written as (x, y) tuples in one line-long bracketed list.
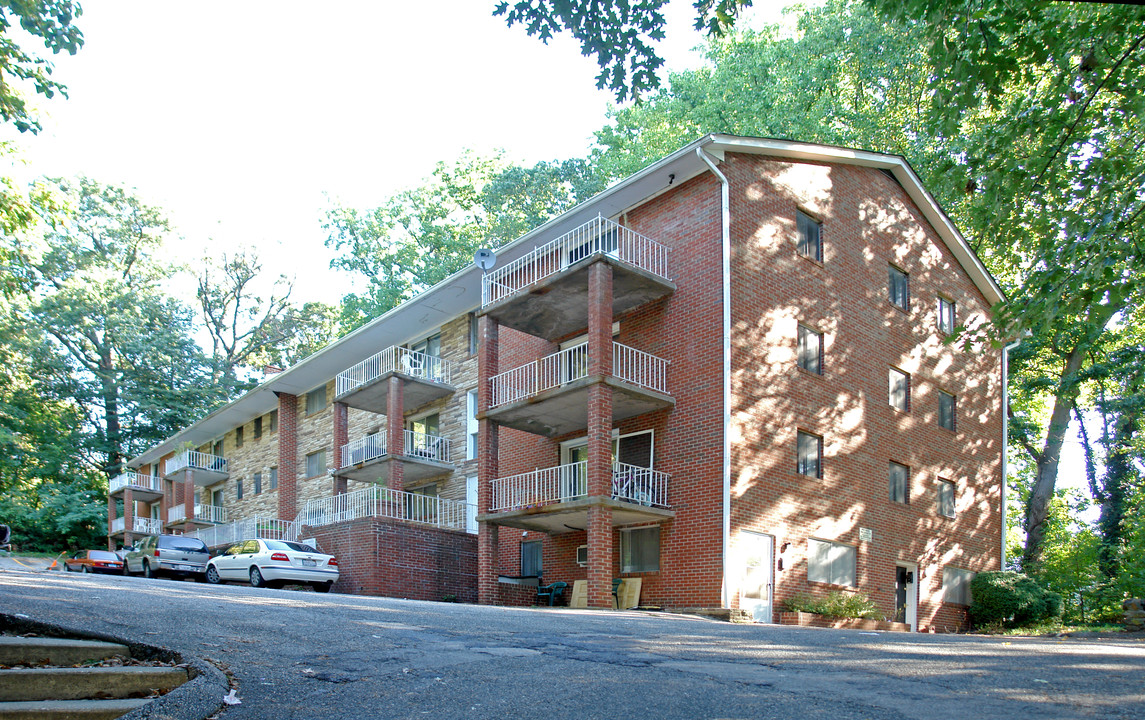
[(599, 472), (341, 437), (395, 430), (110, 520), (287, 456), (487, 463), (128, 516), (189, 499)]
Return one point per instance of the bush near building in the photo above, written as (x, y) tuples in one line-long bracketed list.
[(1010, 599)]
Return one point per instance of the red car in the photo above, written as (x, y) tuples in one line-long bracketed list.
[(95, 561)]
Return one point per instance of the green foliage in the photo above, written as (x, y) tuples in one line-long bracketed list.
[(65, 514), (1011, 599), (837, 604), (49, 20)]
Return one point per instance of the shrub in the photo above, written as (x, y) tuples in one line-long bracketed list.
[(1011, 600), (836, 604)]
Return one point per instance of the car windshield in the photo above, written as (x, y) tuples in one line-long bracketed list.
[(102, 555), (284, 545), (188, 544)]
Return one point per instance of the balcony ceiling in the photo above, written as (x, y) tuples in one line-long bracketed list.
[(416, 392), (566, 517), (378, 470), (564, 409)]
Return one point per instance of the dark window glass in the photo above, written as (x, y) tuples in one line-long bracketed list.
[(809, 455), (257, 428), (946, 410), (531, 558), (274, 478), (257, 483), (898, 287), (810, 244), (316, 400), (900, 483), (239, 437), (239, 489), (947, 316), (810, 350), (946, 498), (899, 390), (640, 550)]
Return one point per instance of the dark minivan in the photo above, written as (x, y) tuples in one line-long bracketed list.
[(170, 555)]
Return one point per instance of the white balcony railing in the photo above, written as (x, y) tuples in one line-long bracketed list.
[(176, 512), (385, 503), (117, 525), (135, 480), (417, 445), (268, 528), (147, 526), (196, 461), (208, 513), (628, 364), (394, 359), (595, 236), (631, 483)]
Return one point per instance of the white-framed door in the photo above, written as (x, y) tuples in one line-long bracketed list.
[(471, 504), (757, 552), (906, 594)]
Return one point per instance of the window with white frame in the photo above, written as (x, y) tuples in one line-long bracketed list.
[(946, 506), (898, 288), (809, 454), (316, 400), (810, 355), (956, 586), (808, 230), (899, 483), (947, 407), (947, 315), (899, 390), (316, 463), (471, 425), (640, 550), (830, 562)]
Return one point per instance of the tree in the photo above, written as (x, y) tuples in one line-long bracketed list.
[(49, 20)]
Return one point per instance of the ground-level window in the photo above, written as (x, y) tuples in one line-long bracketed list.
[(316, 463), (830, 562), (899, 483), (640, 550), (531, 559), (956, 585), (946, 498)]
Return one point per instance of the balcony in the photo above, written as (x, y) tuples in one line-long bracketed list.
[(545, 293), (550, 396), (555, 500), (380, 502), (204, 514), (143, 487), (206, 469), (369, 458), (424, 378), (139, 526)]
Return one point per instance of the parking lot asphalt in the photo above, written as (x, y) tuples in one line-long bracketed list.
[(298, 654)]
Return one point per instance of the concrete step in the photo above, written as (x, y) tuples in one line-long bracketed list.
[(68, 709), (56, 651), (87, 683)]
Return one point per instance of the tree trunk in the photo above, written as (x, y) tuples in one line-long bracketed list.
[(110, 391)]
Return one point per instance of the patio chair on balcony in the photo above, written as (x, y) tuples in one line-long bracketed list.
[(5, 537), (412, 366), (551, 593)]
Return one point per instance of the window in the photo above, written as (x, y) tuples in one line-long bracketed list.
[(946, 498), (899, 390), (239, 489), (239, 436), (473, 332), (257, 483), (218, 449), (809, 243), (640, 550), (810, 350), (273, 420), (430, 346), (471, 425), (316, 463), (809, 455), (898, 287), (424, 438), (900, 483), (956, 586), (316, 400), (946, 410), (273, 478), (217, 498), (531, 559), (946, 315), (830, 562), (258, 427)]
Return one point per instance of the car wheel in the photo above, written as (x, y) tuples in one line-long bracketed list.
[(86, 569), (68, 568), (213, 575), (256, 578), (147, 571), (322, 587)]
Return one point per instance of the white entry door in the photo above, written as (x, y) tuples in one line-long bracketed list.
[(471, 505), (758, 573)]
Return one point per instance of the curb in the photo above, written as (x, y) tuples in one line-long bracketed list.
[(197, 699)]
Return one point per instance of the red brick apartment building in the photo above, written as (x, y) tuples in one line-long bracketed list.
[(726, 376)]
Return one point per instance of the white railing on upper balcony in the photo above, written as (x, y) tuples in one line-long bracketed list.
[(630, 483), (384, 503), (196, 461), (117, 525), (147, 525), (427, 447), (207, 513), (628, 364), (135, 480), (417, 445), (267, 528), (364, 449), (598, 235), (394, 359)]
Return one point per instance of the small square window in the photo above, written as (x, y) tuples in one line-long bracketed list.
[(830, 562), (947, 315), (316, 400), (947, 410), (810, 350), (239, 436), (316, 463), (810, 244), (900, 483), (899, 390), (898, 288), (640, 550), (809, 460), (946, 499)]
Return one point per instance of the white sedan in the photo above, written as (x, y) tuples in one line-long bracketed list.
[(273, 563)]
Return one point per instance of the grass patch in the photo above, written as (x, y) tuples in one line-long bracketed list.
[(1050, 628)]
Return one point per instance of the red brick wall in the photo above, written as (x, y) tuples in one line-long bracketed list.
[(377, 556)]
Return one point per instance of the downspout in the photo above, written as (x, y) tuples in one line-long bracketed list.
[(725, 217), (1005, 435)]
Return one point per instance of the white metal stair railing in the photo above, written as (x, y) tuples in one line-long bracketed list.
[(197, 461), (561, 483), (133, 479), (394, 359), (595, 236), (364, 449), (565, 366), (384, 503)]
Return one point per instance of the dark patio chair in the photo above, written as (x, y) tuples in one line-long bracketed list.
[(5, 537), (551, 593)]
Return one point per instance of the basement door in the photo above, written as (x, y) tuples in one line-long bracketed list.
[(758, 574)]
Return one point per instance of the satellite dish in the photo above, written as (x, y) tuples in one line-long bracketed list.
[(484, 259)]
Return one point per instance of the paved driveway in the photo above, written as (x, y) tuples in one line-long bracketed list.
[(302, 655)]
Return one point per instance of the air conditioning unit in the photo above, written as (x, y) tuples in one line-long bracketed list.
[(582, 555)]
